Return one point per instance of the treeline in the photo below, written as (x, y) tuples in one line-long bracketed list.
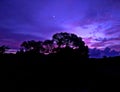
[(63, 42)]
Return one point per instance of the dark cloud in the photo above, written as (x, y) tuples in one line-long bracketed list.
[(112, 43), (14, 40), (98, 45), (115, 47), (113, 31), (97, 53), (101, 39)]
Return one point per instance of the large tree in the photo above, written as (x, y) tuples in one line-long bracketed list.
[(70, 40), (67, 39), (61, 42)]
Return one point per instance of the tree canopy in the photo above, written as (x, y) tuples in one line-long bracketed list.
[(70, 40), (61, 42), (32, 45)]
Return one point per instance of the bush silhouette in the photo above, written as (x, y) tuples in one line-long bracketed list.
[(3, 49)]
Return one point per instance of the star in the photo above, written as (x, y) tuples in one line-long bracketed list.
[(54, 16)]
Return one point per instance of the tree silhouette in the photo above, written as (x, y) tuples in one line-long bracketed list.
[(48, 46), (64, 43), (58, 39), (68, 40), (25, 45), (3, 49), (32, 46)]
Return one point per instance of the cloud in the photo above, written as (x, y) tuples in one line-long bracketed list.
[(99, 45), (113, 31), (102, 43), (101, 39), (97, 53), (88, 41), (115, 47), (7, 37)]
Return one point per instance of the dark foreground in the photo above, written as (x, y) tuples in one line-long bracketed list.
[(35, 74)]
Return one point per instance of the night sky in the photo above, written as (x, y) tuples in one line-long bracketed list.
[(96, 21)]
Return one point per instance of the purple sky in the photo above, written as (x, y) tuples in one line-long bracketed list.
[(96, 21)]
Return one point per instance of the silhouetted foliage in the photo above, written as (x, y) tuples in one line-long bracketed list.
[(48, 46), (3, 49), (32, 46), (63, 43), (64, 39)]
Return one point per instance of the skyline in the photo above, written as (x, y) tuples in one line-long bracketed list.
[(96, 21)]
